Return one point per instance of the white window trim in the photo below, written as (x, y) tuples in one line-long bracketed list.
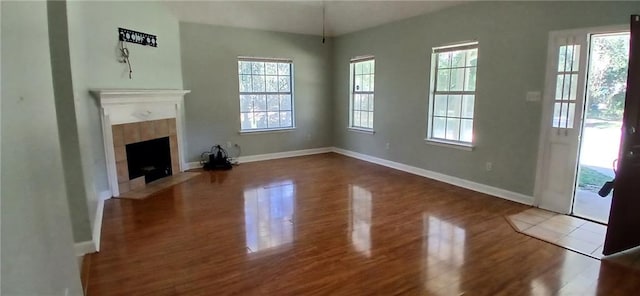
[(291, 86), (467, 146), (361, 130), (451, 144), (267, 131), (352, 127)]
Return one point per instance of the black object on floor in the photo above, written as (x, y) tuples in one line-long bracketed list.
[(216, 159)]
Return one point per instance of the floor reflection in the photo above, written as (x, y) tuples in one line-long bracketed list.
[(268, 216), (577, 275), (563, 281), (218, 177), (360, 222), (538, 287), (444, 249)]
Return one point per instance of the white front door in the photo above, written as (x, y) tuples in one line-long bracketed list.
[(562, 114)]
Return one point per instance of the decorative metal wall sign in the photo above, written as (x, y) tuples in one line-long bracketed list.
[(132, 36)]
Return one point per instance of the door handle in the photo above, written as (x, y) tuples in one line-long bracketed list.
[(632, 156)]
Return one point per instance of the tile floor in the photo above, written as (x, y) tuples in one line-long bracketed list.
[(569, 232), (158, 185), (572, 233), (590, 205)]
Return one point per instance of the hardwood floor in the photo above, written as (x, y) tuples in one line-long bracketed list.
[(331, 225)]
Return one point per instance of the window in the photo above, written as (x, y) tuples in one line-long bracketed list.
[(361, 103), (453, 93), (564, 105), (266, 101)]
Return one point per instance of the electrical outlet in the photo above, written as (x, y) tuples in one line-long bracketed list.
[(387, 146), (308, 137), (488, 166), (229, 145), (534, 96)]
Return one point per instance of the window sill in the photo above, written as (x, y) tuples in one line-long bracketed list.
[(455, 145), (361, 130), (267, 131)]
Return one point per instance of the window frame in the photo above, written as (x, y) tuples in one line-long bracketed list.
[(291, 92), (464, 145), (352, 93)]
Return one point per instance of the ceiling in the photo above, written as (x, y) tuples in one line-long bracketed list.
[(304, 17)]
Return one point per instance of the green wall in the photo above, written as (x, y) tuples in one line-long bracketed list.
[(93, 44), (511, 61), (37, 253), (210, 67), (74, 175)]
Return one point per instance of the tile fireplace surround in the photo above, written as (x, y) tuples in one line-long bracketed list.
[(131, 116), (130, 133)]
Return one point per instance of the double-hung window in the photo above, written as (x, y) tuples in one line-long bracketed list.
[(361, 102), (266, 94), (453, 93)]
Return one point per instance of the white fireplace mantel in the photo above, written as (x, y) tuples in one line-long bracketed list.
[(120, 106), (130, 96)]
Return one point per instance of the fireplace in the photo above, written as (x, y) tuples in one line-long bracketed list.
[(144, 152), (149, 159), (142, 136)]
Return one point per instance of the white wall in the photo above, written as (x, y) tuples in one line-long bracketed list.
[(37, 253)]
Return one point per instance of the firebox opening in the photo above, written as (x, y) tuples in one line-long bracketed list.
[(151, 159)]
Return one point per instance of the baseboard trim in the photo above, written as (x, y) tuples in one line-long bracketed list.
[(104, 195), (270, 156), (193, 165), (92, 246), (482, 188), (83, 248), (97, 224), (286, 154)]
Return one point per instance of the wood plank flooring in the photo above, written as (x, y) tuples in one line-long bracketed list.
[(331, 225)]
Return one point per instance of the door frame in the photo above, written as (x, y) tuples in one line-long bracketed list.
[(620, 30), (547, 103)]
